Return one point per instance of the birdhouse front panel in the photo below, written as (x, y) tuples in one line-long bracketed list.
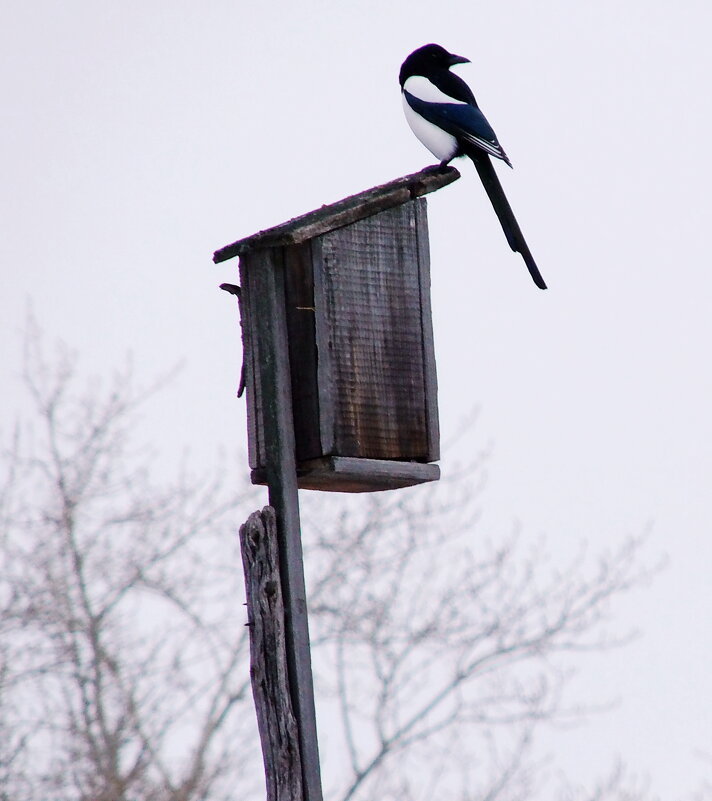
[(357, 307), (371, 337)]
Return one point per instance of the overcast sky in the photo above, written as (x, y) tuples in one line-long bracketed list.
[(137, 137)]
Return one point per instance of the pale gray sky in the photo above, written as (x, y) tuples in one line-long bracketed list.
[(138, 137)]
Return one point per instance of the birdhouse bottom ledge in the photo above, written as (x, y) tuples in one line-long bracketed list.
[(349, 474)]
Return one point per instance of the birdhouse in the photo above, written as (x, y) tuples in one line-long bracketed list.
[(345, 289)]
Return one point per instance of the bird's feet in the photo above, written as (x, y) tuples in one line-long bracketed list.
[(441, 167)]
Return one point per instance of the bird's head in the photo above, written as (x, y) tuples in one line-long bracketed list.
[(427, 59)]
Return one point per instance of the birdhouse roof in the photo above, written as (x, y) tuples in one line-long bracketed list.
[(343, 212)]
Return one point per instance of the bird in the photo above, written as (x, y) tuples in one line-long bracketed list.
[(443, 113)]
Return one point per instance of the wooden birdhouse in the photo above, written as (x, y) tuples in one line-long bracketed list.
[(345, 289)]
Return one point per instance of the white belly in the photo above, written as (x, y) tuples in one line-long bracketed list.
[(441, 144)]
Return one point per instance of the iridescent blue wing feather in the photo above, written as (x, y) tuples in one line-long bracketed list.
[(464, 121)]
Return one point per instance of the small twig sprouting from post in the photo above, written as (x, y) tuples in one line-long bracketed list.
[(233, 289)]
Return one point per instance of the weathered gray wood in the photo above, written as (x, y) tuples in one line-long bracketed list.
[(359, 331), (363, 376), (374, 373), (264, 272), (326, 387), (430, 374), (268, 658), (344, 212), (301, 311), (255, 433), (344, 474)]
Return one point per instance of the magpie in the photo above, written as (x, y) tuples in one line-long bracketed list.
[(443, 113)]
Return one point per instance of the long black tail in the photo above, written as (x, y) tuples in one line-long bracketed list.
[(499, 201)]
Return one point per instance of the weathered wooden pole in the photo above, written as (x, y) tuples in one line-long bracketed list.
[(277, 724), (266, 280)]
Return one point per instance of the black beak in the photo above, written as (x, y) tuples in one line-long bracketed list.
[(458, 60)]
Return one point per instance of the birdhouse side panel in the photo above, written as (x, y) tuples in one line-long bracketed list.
[(369, 334), (255, 428), (432, 420), (300, 310)]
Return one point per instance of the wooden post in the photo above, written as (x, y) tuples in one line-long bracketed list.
[(266, 297), (268, 658)]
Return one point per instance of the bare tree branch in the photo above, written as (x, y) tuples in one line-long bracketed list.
[(121, 638), (426, 638), (438, 651)]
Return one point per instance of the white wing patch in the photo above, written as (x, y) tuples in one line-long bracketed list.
[(440, 143), (487, 146), (423, 89)]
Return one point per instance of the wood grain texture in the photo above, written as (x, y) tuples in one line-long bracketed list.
[(268, 322), (255, 444), (430, 375), (360, 374), (343, 474), (268, 659), (343, 212), (301, 312), (324, 349), (369, 337), (255, 432)]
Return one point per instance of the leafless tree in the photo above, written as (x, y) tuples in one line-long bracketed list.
[(618, 785), (442, 650), (121, 642), (123, 656)]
